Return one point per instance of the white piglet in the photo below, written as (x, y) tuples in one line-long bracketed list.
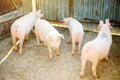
[(98, 48), (22, 27), (49, 35), (76, 32)]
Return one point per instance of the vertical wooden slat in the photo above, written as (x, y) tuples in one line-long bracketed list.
[(115, 3), (94, 9), (92, 3), (112, 8), (85, 8), (98, 9), (105, 1), (71, 8), (53, 10), (82, 5), (79, 9), (90, 11), (118, 10), (50, 9), (33, 5)]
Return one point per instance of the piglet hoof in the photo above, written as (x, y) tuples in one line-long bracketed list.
[(106, 58), (58, 54), (50, 57), (96, 77), (72, 54), (20, 52), (38, 45), (79, 52), (26, 39), (81, 76), (44, 45), (16, 49), (69, 42)]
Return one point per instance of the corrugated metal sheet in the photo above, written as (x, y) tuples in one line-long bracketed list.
[(54, 9), (83, 10), (93, 9), (7, 6), (97, 9)]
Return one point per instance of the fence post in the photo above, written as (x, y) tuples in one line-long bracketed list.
[(33, 5), (71, 10)]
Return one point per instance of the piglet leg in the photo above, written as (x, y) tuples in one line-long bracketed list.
[(50, 53)]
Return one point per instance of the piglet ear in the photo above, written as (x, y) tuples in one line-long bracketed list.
[(108, 23), (100, 24), (66, 21), (38, 14), (61, 36), (39, 11)]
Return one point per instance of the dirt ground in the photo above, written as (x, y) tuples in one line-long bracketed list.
[(34, 63)]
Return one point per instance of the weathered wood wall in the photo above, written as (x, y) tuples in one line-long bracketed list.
[(9, 10)]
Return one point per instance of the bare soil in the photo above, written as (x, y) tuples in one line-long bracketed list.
[(34, 63)]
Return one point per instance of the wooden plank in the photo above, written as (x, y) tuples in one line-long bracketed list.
[(9, 52), (11, 15)]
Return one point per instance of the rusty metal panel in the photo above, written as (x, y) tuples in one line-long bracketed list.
[(9, 5), (10, 9), (5, 8), (54, 9), (97, 9)]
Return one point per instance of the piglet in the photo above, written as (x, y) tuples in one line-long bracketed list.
[(98, 48), (76, 32), (49, 35), (22, 27)]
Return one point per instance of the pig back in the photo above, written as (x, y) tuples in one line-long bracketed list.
[(44, 28)]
